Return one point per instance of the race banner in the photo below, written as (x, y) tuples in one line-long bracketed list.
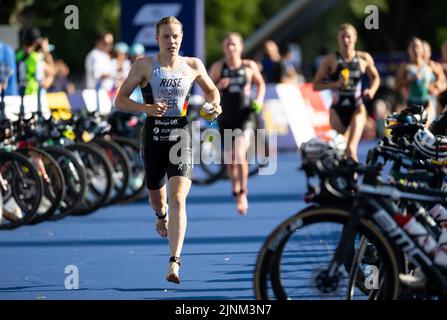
[(139, 17), (317, 103), (296, 112)]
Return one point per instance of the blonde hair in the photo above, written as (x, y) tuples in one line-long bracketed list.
[(426, 44), (346, 26), (168, 20), (235, 34), (414, 40)]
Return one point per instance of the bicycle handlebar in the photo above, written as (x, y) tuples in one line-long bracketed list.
[(371, 183)]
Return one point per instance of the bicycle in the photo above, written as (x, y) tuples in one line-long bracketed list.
[(91, 128), (368, 226)]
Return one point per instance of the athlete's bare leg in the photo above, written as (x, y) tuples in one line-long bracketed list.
[(157, 199), (240, 154), (336, 123), (232, 171), (431, 113), (178, 191), (355, 131)]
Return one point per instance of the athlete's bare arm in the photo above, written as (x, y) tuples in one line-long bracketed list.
[(215, 71), (440, 83), (371, 70), (207, 85), (138, 74), (258, 80), (326, 68), (401, 77)]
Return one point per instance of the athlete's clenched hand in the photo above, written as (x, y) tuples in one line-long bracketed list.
[(157, 109), (216, 109)]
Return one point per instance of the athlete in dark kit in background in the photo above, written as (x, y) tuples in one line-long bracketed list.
[(342, 72), (234, 77)]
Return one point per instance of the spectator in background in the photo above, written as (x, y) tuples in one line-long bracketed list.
[(270, 62), (438, 81), (98, 64), (8, 70), (124, 57), (45, 49), (136, 51), (34, 58), (296, 56), (121, 64), (61, 82), (285, 71)]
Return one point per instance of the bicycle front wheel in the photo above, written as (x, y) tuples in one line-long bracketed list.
[(294, 260), (23, 189)]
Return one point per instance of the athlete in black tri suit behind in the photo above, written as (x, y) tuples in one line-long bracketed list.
[(342, 72), (234, 77), (166, 80)]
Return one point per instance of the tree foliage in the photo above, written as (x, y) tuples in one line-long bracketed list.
[(73, 45), (221, 17), (8, 8), (240, 16)]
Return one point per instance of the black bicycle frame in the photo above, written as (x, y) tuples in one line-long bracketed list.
[(385, 209)]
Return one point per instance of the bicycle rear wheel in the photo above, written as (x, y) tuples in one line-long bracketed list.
[(137, 187), (75, 180), (121, 167), (53, 181), (293, 261), (99, 177)]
